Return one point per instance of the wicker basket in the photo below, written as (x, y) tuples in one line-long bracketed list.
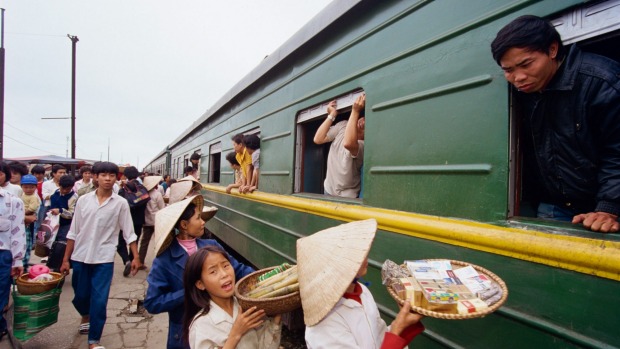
[(271, 306), (447, 316), (26, 287)]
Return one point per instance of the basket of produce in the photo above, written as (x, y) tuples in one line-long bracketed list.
[(445, 289), (28, 286), (274, 289)]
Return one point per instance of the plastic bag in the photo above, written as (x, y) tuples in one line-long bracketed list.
[(48, 230), (33, 313)]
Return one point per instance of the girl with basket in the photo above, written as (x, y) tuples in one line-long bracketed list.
[(213, 317), (340, 312), (177, 229)]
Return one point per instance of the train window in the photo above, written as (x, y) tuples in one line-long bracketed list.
[(215, 162), (310, 158), (594, 28)]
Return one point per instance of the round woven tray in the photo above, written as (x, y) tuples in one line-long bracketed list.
[(271, 306), (41, 250), (26, 287), (447, 316)]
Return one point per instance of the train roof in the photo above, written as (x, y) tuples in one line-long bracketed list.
[(317, 24)]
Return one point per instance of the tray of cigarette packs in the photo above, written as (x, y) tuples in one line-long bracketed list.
[(445, 289)]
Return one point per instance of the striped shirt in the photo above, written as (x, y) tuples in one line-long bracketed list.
[(12, 230)]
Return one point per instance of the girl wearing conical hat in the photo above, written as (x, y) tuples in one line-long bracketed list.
[(340, 312), (177, 228)]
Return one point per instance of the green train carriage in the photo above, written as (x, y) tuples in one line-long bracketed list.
[(440, 174)]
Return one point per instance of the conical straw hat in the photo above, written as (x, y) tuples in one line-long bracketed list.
[(327, 263), (166, 219), (182, 188), (151, 181), (208, 212)]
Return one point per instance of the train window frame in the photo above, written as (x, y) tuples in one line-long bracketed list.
[(592, 27), (307, 122), (215, 163)]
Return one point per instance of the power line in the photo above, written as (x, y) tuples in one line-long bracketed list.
[(36, 34), (28, 145), (29, 134)]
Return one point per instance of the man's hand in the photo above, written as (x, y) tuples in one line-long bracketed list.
[(598, 221), (17, 271), (359, 103), (135, 265), (64, 268), (331, 107), (55, 211)]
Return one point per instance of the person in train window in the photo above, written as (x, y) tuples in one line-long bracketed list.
[(572, 101), (339, 311), (346, 153), (189, 171), (195, 161), (232, 160), (252, 144), (177, 231), (243, 158)]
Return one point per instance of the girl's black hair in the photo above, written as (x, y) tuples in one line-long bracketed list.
[(231, 157), (196, 300), (19, 167), (4, 167)]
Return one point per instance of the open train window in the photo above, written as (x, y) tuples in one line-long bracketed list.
[(311, 158), (595, 28), (215, 162)]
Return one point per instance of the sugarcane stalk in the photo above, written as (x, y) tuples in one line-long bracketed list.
[(282, 291), (291, 279), (276, 278)]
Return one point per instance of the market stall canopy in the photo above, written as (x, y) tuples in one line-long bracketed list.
[(51, 159)]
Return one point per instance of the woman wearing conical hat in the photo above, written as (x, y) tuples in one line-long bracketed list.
[(340, 312), (177, 228)]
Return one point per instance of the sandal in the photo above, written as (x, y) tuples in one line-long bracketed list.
[(99, 347), (84, 328)]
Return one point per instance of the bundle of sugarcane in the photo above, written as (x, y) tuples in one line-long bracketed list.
[(277, 270), (277, 285)]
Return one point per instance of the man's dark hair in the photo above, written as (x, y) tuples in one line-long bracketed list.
[(188, 169), (4, 167), (232, 158), (57, 168), (238, 138), (105, 167), (66, 181), (85, 168), (131, 172), (251, 141), (528, 32), (38, 169), (166, 176), (195, 156), (19, 167)]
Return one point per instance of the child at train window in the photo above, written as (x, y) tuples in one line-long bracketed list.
[(213, 317), (252, 144), (194, 159), (234, 164), (243, 158)]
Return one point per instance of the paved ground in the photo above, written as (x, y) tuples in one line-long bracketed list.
[(123, 329)]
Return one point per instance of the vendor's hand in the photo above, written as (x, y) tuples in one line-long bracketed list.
[(359, 103), (598, 221), (404, 319), (17, 271), (135, 265), (55, 211), (64, 268), (331, 107), (277, 319), (29, 219), (247, 320)]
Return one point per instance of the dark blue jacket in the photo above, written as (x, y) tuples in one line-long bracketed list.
[(572, 131), (165, 292)]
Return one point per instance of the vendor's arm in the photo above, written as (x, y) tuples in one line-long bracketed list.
[(403, 329), (160, 296)]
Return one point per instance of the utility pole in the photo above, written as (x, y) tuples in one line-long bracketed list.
[(2, 88), (74, 40)]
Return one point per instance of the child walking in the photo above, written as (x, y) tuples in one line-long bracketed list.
[(91, 245), (62, 205), (213, 317), (32, 202)]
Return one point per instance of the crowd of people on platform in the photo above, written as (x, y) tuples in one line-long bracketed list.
[(192, 277)]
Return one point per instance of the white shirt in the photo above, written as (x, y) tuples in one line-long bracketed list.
[(211, 330), (12, 231), (79, 184), (155, 204), (16, 190), (48, 188), (95, 228), (349, 325)]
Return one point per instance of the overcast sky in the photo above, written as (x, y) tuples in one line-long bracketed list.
[(145, 69)]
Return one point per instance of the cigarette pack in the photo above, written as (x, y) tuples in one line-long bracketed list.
[(471, 306), (413, 290)]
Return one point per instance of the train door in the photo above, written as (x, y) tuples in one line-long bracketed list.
[(215, 162), (595, 27)]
